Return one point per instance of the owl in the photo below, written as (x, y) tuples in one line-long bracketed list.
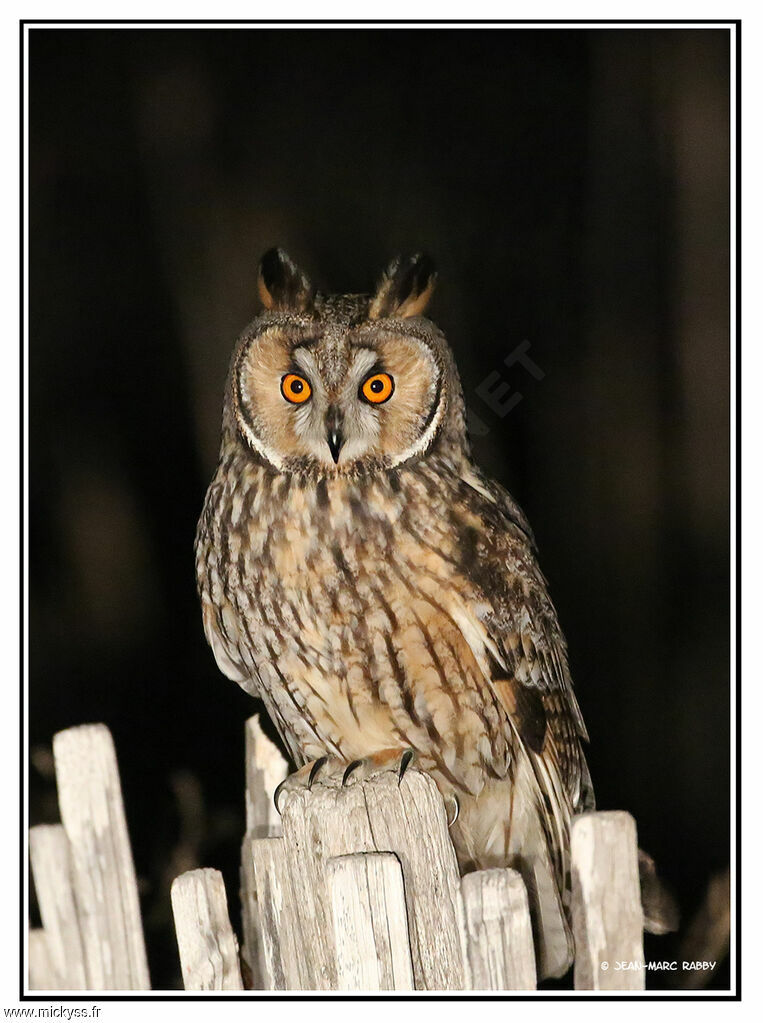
[(377, 591)]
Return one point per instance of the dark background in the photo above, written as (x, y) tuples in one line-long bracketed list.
[(572, 186)]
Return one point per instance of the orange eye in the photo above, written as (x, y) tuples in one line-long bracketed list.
[(378, 388), (295, 388)]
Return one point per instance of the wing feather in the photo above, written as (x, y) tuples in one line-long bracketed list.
[(528, 653)]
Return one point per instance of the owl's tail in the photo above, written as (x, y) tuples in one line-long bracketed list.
[(542, 857), (554, 947)]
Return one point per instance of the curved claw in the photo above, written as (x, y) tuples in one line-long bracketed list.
[(350, 768), (314, 771), (456, 810), (276, 794), (405, 763)]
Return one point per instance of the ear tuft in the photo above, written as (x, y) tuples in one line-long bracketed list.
[(282, 285), (405, 289)]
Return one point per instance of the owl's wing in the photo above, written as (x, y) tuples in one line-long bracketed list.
[(514, 633), (527, 651), (221, 631)]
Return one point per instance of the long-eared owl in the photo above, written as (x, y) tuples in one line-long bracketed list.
[(366, 580)]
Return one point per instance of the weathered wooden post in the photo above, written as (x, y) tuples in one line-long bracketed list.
[(500, 940), (84, 874), (380, 815), (607, 919), (51, 861), (370, 922), (280, 938), (105, 889), (206, 942), (265, 770), (357, 889), (43, 975)]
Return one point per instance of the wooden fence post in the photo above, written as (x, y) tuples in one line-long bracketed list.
[(361, 892), (207, 945), (284, 958), (265, 770), (105, 889), (370, 922), (380, 815), (607, 919), (43, 975), (501, 952), (50, 857)]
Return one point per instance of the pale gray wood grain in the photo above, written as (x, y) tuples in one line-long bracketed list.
[(607, 919), (207, 945), (251, 952), (370, 922), (380, 815), (284, 956), (50, 858), (105, 889), (265, 770), (43, 975), (500, 940)]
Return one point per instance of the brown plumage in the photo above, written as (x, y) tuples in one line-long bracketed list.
[(363, 577)]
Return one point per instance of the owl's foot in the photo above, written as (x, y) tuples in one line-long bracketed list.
[(396, 761), (328, 769), (305, 777)]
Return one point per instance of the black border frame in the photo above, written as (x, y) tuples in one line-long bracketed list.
[(94, 997)]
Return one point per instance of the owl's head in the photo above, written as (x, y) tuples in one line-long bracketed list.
[(343, 384)]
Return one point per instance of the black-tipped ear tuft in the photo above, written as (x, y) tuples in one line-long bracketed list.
[(405, 288), (282, 285)]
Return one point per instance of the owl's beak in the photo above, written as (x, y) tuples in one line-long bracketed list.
[(334, 434)]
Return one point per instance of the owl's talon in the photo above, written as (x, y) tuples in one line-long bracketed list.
[(405, 762), (456, 810), (334, 771), (276, 794), (319, 764), (350, 769)]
